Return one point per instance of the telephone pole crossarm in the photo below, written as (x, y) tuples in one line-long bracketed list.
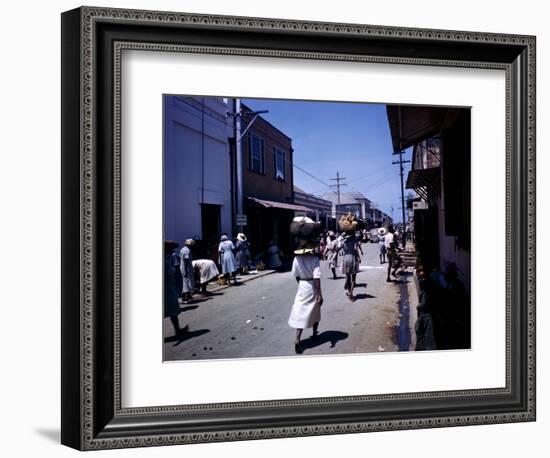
[(338, 179)]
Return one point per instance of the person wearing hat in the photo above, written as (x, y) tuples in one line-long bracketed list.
[(171, 305), (381, 244), (242, 247), (306, 268), (331, 252), (187, 272), (350, 249), (228, 262)]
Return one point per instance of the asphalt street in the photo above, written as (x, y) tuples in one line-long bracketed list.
[(250, 320)]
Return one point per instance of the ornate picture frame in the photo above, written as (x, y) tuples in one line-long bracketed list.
[(92, 414)]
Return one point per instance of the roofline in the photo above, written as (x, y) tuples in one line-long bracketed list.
[(267, 122)]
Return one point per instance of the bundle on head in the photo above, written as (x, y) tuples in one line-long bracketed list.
[(305, 228), (307, 232), (348, 223)]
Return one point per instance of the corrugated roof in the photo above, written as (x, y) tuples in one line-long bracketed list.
[(283, 205), (345, 199)]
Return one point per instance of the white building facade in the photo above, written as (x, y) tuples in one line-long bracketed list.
[(197, 169)]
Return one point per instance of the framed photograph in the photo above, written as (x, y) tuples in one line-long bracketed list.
[(276, 228)]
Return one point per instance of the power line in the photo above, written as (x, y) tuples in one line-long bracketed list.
[(312, 176), (381, 171), (203, 112)]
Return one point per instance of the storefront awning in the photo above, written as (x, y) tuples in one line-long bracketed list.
[(282, 205), (424, 181), (412, 124)]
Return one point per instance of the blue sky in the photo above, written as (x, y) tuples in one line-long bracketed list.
[(351, 138)]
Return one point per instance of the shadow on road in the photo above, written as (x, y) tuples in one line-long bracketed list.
[(398, 281), (188, 308), (326, 336), (185, 335), (364, 296)]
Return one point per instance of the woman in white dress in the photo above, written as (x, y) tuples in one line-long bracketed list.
[(306, 309)]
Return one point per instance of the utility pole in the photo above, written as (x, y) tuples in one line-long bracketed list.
[(338, 179), (239, 134), (401, 162)]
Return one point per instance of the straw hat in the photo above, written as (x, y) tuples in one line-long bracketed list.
[(189, 242), (241, 237), (305, 246), (382, 231)]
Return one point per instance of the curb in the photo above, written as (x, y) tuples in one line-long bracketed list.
[(243, 279)]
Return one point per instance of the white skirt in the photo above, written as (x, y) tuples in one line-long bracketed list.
[(305, 312)]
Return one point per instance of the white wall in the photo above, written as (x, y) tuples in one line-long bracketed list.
[(30, 242), (187, 185)]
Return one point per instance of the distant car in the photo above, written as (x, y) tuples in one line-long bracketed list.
[(373, 235)]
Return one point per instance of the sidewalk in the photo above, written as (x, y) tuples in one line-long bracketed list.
[(252, 275)]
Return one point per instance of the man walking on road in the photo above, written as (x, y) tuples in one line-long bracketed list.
[(391, 252)]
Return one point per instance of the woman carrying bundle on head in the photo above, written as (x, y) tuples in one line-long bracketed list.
[(350, 250), (306, 268), (331, 252)]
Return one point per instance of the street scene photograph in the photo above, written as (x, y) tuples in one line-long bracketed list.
[(296, 228)]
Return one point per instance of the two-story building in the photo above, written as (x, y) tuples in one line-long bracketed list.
[(440, 175), (343, 204), (319, 209), (268, 185)]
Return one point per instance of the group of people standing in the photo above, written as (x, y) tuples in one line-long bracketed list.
[(185, 276), (348, 246)]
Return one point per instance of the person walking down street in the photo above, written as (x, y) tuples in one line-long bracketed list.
[(323, 243), (273, 256), (382, 245), (306, 268), (171, 305), (242, 247), (228, 262), (176, 261), (332, 248), (186, 268), (350, 251), (391, 249)]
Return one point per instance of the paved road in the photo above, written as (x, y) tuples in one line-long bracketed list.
[(250, 320)]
